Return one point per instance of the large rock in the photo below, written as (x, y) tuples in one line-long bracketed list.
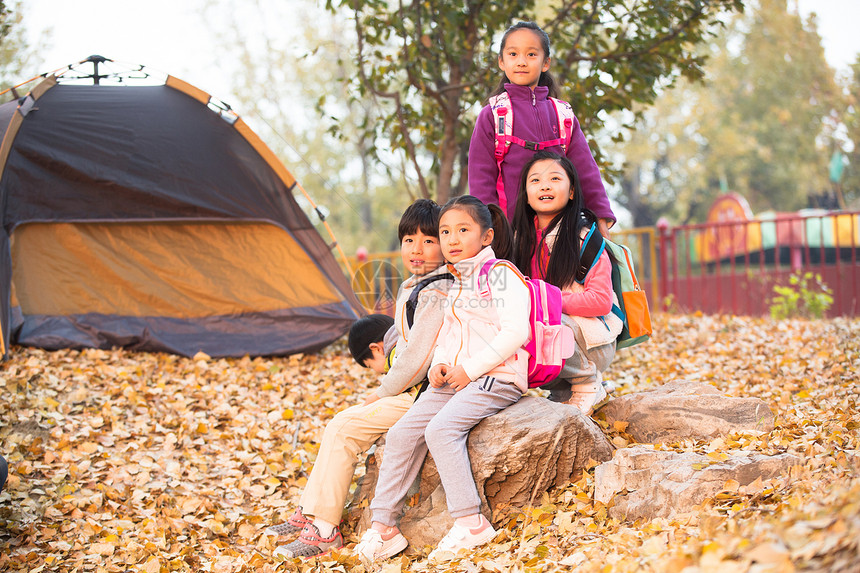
[(644, 483), (516, 455), (682, 410)]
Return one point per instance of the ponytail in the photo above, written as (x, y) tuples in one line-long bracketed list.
[(503, 235)]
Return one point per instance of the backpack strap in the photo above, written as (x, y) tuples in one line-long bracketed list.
[(616, 287), (503, 131), (503, 122), (389, 360), (592, 247), (484, 275), (412, 302), (564, 111)]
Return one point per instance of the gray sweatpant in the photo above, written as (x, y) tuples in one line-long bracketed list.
[(439, 421), (585, 366)]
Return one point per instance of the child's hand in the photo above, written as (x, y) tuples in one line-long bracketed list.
[(371, 398), (457, 378), (436, 375), (603, 226)]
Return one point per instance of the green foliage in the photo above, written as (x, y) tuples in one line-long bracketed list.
[(761, 124), (4, 21), (794, 93), (290, 89), (429, 65), (16, 54), (850, 185), (806, 295)]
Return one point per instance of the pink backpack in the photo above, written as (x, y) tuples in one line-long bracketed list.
[(503, 122), (550, 342)]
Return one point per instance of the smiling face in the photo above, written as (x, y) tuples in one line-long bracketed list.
[(523, 58), (420, 253), (548, 189), (461, 236)]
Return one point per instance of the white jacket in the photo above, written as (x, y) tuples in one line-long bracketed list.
[(485, 334)]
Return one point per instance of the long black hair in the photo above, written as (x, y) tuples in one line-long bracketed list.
[(488, 217), (546, 78), (564, 257)]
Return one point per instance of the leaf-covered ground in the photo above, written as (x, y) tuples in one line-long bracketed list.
[(124, 461)]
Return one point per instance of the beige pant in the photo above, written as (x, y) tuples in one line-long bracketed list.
[(349, 433)]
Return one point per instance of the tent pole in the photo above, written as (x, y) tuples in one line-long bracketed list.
[(330, 232)]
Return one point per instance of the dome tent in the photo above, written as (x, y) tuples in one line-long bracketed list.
[(151, 218)]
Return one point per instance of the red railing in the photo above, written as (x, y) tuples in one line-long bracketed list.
[(728, 267), (732, 267)]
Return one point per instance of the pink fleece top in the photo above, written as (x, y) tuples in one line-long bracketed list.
[(535, 119)]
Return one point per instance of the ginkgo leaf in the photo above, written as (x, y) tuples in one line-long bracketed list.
[(124, 461)]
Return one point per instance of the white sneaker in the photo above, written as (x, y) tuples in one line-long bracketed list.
[(590, 398), (372, 547), (461, 537)]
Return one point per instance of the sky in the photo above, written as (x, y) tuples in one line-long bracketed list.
[(837, 25), (170, 36), (165, 35)]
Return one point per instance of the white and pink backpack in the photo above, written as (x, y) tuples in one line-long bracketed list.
[(503, 122), (550, 342)]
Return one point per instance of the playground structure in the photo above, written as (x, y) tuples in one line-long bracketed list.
[(732, 267), (731, 263)]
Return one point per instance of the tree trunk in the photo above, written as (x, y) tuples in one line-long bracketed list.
[(449, 148), (639, 210), (367, 203)]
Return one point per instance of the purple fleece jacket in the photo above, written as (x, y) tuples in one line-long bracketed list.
[(535, 119)]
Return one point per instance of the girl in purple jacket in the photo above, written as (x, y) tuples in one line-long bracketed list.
[(524, 59)]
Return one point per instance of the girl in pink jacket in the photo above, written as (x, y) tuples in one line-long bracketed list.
[(550, 223), (478, 369)]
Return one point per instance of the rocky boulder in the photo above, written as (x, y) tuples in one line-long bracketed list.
[(682, 410), (641, 482), (537, 444), (516, 455)]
